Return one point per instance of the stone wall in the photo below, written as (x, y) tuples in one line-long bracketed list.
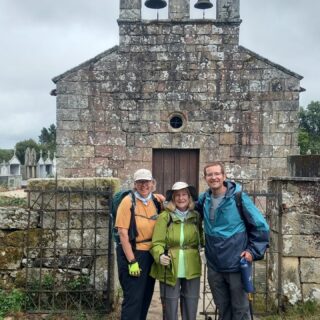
[(304, 165), (63, 236), (236, 106), (297, 267), (34, 239)]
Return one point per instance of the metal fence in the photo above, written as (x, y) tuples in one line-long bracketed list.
[(267, 298), (69, 251)]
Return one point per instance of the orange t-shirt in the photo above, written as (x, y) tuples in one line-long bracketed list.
[(143, 213)]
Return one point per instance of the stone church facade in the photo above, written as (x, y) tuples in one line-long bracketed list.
[(175, 90)]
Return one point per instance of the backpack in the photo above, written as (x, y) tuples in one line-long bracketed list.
[(132, 231), (238, 199)]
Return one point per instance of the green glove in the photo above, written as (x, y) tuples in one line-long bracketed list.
[(134, 269)]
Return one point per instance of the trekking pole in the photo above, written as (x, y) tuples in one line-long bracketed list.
[(164, 295), (164, 289)]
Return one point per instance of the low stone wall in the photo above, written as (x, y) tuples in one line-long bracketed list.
[(61, 239), (297, 268)]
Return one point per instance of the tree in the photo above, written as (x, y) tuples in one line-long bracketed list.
[(47, 140), (48, 136), (309, 128), (22, 146), (5, 154)]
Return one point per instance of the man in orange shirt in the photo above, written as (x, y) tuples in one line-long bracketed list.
[(134, 264)]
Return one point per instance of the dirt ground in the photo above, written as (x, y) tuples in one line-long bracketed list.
[(19, 193)]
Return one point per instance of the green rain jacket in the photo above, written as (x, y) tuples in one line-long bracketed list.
[(167, 231)]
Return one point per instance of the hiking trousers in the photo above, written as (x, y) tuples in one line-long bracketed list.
[(188, 292), (228, 295), (137, 291)]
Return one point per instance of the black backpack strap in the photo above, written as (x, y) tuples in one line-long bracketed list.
[(238, 198), (132, 232), (157, 203)]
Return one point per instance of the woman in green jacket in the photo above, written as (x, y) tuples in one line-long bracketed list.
[(176, 243)]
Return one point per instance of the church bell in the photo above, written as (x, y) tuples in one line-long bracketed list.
[(155, 4), (203, 4)]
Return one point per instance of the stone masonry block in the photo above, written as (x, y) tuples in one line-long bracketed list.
[(77, 151), (301, 246), (291, 269), (311, 291), (10, 258), (295, 223), (310, 270)]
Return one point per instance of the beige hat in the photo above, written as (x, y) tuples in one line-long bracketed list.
[(181, 185), (142, 174)]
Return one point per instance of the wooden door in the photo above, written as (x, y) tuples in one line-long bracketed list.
[(172, 165)]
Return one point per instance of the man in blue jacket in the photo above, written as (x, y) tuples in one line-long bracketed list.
[(228, 238)]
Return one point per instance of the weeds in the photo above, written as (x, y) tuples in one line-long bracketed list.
[(12, 202), (11, 302), (79, 283), (309, 310)]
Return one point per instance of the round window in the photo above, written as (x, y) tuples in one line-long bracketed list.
[(176, 122)]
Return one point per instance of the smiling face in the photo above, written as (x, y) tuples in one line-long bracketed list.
[(144, 187), (215, 177), (181, 199)]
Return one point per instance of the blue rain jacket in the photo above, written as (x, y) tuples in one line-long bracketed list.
[(227, 235)]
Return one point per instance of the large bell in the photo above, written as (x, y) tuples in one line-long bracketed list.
[(155, 4), (203, 4)]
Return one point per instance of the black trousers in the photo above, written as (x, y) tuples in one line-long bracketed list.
[(137, 291)]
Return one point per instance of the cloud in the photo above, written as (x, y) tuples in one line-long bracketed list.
[(40, 40)]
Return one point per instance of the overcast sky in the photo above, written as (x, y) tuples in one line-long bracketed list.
[(41, 39)]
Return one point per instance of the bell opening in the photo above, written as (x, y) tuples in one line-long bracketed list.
[(203, 4), (155, 4)]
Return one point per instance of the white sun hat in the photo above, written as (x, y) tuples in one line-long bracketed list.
[(142, 174), (179, 186)]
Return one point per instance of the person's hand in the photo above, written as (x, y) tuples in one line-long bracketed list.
[(161, 197), (247, 255), (134, 269), (164, 260), (203, 256)]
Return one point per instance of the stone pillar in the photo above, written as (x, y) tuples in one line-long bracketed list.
[(130, 9), (228, 10), (179, 9)]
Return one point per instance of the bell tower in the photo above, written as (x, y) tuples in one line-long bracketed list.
[(226, 10)]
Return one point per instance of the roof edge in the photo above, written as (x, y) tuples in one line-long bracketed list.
[(278, 66), (84, 64)]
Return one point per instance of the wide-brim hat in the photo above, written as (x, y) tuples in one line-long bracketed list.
[(179, 186), (142, 174)]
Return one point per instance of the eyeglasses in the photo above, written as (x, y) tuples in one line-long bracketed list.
[(141, 182), (214, 174)]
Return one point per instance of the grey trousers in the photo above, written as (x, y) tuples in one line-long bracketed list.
[(228, 295), (188, 292)]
